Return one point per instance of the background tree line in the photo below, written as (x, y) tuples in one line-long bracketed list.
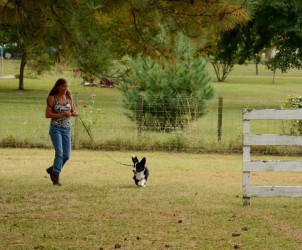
[(97, 36), (273, 30)]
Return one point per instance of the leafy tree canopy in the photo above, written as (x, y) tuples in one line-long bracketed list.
[(94, 33), (276, 25)]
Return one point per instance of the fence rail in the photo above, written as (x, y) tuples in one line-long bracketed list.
[(250, 139)]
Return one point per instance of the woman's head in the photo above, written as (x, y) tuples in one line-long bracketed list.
[(60, 85)]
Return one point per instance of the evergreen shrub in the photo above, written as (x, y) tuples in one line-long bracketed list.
[(165, 95)]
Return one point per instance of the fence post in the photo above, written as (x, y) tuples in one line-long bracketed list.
[(219, 129), (139, 113), (77, 124)]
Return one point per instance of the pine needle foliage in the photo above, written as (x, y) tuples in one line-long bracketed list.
[(164, 95)]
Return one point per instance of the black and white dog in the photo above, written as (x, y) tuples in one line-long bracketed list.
[(141, 172)]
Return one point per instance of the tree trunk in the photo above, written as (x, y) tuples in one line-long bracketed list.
[(22, 68), (274, 74), (217, 70), (225, 70)]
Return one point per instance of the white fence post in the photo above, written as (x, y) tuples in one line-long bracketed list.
[(268, 166)]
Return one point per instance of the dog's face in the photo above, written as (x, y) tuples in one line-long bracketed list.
[(139, 166)]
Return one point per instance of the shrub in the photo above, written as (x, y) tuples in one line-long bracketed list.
[(165, 95), (293, 127)]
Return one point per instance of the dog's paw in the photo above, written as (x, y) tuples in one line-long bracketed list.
[(142, 183)]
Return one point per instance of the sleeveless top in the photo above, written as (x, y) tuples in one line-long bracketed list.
[(62, 122)]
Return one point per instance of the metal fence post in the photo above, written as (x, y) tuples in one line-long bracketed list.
[(139, 113), (77, 124), (219, 129)]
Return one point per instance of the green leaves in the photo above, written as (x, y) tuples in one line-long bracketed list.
[(277, 25), (172, 93), (293, 127)]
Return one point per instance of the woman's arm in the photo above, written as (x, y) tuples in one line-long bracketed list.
[(73, 109), (49, 105)]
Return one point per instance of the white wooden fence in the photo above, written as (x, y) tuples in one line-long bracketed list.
[(268, 165)]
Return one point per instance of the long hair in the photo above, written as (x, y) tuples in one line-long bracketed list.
[(55, 89)]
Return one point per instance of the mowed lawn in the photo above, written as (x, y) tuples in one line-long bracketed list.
[(192, 201)]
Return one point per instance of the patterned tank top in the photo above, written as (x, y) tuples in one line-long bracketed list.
[(63, 122)]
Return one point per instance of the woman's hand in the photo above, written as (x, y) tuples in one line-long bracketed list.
[(66, 114)]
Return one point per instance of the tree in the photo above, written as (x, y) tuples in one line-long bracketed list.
[(93, 33), (284, 34), (276, 25), (196, 19), (28, 25), (224, 51), (173, 94), (140, 25), (66, 26)]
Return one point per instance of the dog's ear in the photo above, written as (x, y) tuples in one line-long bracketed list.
[(134, 159), (143, 161)]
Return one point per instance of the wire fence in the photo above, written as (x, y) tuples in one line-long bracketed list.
[(105, 124)]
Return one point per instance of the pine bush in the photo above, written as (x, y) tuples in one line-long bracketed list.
[(164, 95)]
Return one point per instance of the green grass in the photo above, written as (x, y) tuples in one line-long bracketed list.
[(192, 201), (23, 122)]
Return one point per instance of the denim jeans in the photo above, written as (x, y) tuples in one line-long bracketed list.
[(61, 140)]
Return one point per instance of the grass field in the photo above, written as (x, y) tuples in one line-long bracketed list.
[(192, 201), (22, 119)]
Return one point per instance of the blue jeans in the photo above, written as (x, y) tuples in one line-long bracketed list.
[(61, 140)]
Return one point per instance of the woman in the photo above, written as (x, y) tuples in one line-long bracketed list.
[(60, 108)]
